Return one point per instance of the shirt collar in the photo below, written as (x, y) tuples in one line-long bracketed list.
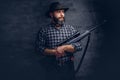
[(53, 25)]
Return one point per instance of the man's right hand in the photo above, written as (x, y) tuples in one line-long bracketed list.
[(53, 52), (58, 54)]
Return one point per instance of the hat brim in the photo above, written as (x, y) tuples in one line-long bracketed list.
[(48, 12)]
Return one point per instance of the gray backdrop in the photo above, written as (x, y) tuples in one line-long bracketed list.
[(21, 20)]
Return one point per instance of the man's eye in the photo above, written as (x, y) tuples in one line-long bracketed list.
[(58, 11), (62, 10)]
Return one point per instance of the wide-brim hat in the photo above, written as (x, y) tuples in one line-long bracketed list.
[(56, 6)]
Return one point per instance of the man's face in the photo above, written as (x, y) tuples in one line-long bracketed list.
[(58, 16)]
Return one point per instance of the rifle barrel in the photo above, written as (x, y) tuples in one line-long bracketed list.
[(96, 26)]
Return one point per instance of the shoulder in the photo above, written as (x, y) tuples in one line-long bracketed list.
[(43, 29), (70, 27)]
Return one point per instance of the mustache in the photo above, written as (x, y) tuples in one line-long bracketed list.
[(61, 17)]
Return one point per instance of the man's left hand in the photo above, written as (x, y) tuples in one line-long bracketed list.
[(63, 48)]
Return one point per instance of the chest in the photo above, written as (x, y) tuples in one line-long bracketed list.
[(54, 36)]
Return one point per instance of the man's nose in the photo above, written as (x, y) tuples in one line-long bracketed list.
[(62, 14)]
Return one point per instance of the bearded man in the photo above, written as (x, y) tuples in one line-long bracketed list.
[(59, 59)]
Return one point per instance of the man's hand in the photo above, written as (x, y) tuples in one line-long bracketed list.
[(53, 52), (61, 49)]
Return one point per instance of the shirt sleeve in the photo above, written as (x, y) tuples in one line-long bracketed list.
[(40, 42), (77, 46)]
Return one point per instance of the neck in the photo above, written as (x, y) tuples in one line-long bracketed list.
[(56, 25)]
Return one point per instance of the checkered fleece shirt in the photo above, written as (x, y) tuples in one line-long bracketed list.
[(49, 37)]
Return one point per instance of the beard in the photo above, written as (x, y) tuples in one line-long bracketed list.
[(57, 21)]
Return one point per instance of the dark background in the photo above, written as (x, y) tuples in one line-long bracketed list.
[(20, 21)]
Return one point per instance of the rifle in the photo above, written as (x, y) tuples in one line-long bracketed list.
[(77, 37)]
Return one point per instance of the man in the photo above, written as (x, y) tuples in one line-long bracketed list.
[(58, 59)]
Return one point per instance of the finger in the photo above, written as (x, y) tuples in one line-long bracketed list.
[(63, 54), (58, 54), (59, 50)]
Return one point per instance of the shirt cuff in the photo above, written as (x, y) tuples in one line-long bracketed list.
[(76, 46)]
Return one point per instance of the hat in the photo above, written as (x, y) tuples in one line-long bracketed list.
[(56, 6)]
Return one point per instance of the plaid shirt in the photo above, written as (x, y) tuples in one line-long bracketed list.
[(50, 36)]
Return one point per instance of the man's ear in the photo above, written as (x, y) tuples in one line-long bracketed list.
[(51, 14)]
